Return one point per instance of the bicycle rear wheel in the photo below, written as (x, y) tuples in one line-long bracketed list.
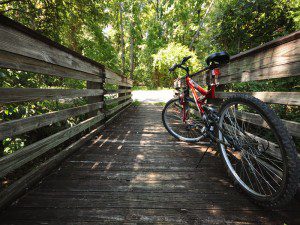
[(259, 155), (188, 131)]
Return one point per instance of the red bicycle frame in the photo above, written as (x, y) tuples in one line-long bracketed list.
[(210, 94)]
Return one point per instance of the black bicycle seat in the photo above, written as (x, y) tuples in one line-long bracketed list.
[(218, 57)]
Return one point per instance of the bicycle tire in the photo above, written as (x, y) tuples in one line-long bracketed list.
[(169, 128), (289, 184)]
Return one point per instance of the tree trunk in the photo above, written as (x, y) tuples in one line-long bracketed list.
[(131, 53), (1, 149), (122, 39), (201, 23)]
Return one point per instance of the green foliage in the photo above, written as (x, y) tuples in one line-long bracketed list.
[(136, 103), (165, 57), (156, 35), (241, 25)]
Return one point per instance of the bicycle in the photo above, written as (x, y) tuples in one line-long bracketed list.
[(256, 148)]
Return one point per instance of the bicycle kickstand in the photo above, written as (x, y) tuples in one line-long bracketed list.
[(210, 145)]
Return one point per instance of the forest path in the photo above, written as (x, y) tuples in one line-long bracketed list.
[(152, 96)]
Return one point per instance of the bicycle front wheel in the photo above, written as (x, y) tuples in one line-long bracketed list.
[(190, 130), (258, 151)]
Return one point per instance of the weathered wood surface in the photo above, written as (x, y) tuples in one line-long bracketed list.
[(21, 185), (18, 62), (14, 95), (119, 91), (285, 98), (134, 172), (293, 127), (15, 127), (282, 60), (19, 40), (115, 100), (30, 152), (113, 78)]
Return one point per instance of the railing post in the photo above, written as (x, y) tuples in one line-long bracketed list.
[(120, 87), (95, 99)]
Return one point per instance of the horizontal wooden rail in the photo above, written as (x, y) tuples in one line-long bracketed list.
[(113, 78), (116, 100), (293, 127), (30, 152), (117, 108), (25, 50), (15, 127), (285, 98), (19, 40), (18, 62), (277, 59), (110, 92), (21, 185), (13, 95), (119, 83)]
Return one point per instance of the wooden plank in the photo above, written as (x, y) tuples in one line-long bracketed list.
[(109, 74), (268, 45), (93, 99), (285, 98), (23, 63), (293, 127), (280, 61), (13, 95), (15, 127), (141, 187), (20, 186), (120, 83), (119, 91), (141, 216), (25, 42), (117, 108), (30, 152), (114, 100), (136, 200)]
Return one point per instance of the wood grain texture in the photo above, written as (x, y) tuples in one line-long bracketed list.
[(30, 152), (117, 108), (13, 95), (17, 42), (5, 21), (293, 127), (285, 98), (277, 62), (119, 91), (18, 62), (114, 78), (116, 178), (120, 83), (269, 45), (21, 186), (114, 100), (15, 127)]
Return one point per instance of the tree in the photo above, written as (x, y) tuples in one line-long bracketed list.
[(166, 57)]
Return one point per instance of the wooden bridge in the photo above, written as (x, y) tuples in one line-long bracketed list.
[(119, 165)]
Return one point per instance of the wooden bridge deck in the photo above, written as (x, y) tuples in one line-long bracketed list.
[(134, 172)]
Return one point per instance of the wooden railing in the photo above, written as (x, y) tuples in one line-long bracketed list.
[(279, 58), (25, 50)]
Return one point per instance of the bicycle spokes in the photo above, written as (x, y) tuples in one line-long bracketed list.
[(252, 150)]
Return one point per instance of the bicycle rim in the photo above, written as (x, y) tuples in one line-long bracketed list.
[(189, 131), (254, 158)]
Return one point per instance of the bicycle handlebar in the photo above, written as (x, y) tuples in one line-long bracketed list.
[(175, 66), (184, 60)]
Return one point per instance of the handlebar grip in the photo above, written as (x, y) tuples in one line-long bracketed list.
[(185, 59), (173, 67)]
